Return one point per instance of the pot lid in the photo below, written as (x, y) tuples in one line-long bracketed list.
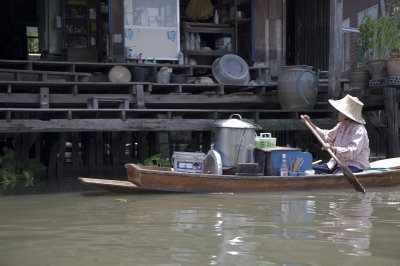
[(234, 122)]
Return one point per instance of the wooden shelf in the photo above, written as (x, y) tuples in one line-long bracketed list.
[(208, 25), (208, 28), (206, 52), (243, 20)]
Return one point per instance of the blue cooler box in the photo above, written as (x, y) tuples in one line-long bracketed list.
[(270, 159)]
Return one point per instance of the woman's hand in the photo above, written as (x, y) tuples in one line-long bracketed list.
[(305, 117), (327, 146)]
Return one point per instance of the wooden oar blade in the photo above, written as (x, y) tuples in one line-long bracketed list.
[(351, 178)]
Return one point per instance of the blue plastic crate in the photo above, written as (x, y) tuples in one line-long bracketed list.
[(270, 159)]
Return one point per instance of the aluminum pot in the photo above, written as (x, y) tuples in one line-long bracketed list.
[(234, 140)]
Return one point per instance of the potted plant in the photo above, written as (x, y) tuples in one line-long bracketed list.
[(381, 36), (393, 62), (359, 75)]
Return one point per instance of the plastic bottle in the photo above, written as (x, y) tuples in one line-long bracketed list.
[(140, 59), (187, 42), (216, 17), (192, 41), (197, 42), (284, 169), (180, 57)]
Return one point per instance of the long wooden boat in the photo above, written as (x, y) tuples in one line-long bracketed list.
[(145, 179), (164, 179)]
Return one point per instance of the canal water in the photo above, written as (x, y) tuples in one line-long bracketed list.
[(292, 228)]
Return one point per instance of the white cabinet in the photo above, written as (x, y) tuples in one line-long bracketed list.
[(151, 28)]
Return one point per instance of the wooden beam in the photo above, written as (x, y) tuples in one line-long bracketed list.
[(87, 125), (335, 49), (276, 36), (261, 26), (149, 99), (117, 30)]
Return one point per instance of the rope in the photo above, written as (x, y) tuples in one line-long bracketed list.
[(298, 83)]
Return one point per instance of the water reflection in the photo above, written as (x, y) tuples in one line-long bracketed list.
[(348, 223), (293, 212), (352, 221), (246, 229)]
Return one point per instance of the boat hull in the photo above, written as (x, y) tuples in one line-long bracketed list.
[(166, 180)]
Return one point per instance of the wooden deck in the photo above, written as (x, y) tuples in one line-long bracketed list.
[(31, 103)]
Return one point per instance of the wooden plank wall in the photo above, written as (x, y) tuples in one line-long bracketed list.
[(310, 32), (292, 32), (335, 48), (269, 34)]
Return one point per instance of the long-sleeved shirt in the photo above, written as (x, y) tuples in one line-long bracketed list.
[(352, 144)]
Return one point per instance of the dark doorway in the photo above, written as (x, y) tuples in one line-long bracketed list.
[(308, 33), (15, 17)]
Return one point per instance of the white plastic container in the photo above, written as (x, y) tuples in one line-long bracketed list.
[(188, 162)]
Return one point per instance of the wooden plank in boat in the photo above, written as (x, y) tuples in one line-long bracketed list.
[(392, 163), (115, 186)]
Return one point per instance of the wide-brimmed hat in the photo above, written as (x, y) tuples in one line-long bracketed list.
[(349, 106)]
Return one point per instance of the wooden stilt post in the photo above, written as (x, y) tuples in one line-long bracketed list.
[(195, 145), (92, 154), (61, 158), (206, 141), (115, 148), (38, 148), (52, 168), (143, 146), (122, 158), (18, 146), (76, 159), (99, 155), (392, 114)]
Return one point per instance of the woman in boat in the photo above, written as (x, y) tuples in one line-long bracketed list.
[(348, 139)]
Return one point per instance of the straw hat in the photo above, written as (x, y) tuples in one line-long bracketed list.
[(349, 106)]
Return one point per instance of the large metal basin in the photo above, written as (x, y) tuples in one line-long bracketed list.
[(234, 140)]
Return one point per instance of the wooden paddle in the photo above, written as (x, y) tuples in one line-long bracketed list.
[(346, 171)]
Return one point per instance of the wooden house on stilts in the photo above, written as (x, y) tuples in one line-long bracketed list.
[(66, 100)]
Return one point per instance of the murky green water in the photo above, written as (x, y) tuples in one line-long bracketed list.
[(301, 228)]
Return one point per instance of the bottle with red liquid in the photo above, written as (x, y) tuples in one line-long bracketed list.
[(284, 168)]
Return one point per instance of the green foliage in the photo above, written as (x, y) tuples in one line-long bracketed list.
[(379, 39), (12, 171), (157, 160), (362, 48), (394, 10)]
